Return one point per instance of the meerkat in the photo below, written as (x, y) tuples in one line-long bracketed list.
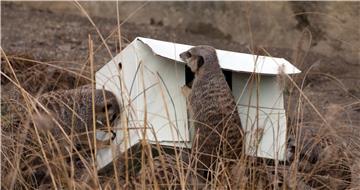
[(162, 170), (32, 79), (323, 154), (73, 110), (167, 172), (212, 107), (67, 115)]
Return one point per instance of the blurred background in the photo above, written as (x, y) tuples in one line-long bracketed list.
[(321, 36), (331, 28)]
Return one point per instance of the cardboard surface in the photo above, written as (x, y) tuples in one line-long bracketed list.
[(234, 61), (150, 88)]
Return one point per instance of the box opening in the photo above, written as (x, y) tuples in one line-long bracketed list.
[(189, 77)]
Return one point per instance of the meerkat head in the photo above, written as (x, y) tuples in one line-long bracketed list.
[(200, 56), (107, 111), (107, 108), (73, 110)]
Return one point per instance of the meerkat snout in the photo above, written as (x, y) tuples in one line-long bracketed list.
[(190, 60), (185, 56)]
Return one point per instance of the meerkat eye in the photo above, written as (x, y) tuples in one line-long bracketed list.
[(113, 134), (108, 108), (187, 54)]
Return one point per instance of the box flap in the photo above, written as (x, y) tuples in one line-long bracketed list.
[(234, 61)]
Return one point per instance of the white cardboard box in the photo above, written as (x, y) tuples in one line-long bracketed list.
[(154, 67)]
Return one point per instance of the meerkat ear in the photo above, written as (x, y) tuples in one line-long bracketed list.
[(200, 61)]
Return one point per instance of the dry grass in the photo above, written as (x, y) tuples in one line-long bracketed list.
[(325, 152), (325, 155)]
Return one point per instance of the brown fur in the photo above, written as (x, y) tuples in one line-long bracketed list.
[(168, 173), (163, 171), (66, 117), (73, 110), (322, 154), (213, 109)]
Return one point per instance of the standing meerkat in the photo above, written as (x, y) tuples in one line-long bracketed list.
[(212, 107)]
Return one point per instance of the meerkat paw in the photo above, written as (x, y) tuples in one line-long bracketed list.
[(185, 90)]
